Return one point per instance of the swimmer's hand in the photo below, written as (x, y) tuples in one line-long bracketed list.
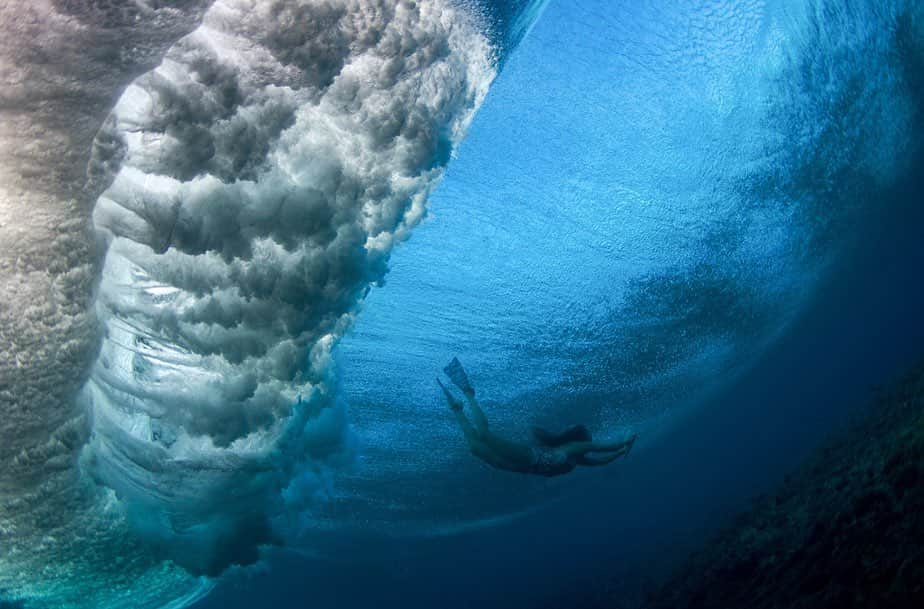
[(630, 443)]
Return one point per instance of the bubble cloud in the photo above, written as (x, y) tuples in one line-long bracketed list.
[(176, 274), (268, 171)]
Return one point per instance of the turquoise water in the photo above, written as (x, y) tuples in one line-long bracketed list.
[(664, 211), (698, 222), (695, 223)]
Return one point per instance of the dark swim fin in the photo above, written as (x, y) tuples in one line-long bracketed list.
[(456, 374), (575, 433)]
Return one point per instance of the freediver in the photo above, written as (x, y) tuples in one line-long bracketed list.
[(551, 455)]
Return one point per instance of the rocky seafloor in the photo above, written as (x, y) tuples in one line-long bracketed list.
[(844, 531)]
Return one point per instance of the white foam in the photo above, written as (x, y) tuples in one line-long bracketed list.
[(268, 173)]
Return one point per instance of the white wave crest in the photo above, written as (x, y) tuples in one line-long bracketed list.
[(255, 183), (270, 164)]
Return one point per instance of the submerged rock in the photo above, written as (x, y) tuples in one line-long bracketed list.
[(845, 531)]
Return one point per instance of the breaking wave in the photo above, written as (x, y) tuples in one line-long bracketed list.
[(255, 183), (192, 213)]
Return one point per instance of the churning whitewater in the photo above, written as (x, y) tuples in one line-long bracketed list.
[(255, 183), (263, 183)]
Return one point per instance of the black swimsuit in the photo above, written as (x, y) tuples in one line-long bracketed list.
[(550, 462)]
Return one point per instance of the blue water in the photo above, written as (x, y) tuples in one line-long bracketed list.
[(697, 222)]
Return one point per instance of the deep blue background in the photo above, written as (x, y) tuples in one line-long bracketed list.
[(579, 175)]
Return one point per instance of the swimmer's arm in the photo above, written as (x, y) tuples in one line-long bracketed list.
[(597, 461)]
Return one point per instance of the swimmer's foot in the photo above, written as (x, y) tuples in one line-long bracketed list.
[(454, 404), (456, 374)]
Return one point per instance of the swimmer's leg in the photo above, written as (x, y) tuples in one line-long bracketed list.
[(471, 436), (454, 404), (576, 449), (456, 374), (481, 421)]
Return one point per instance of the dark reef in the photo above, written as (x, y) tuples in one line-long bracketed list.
[(845, 531)]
